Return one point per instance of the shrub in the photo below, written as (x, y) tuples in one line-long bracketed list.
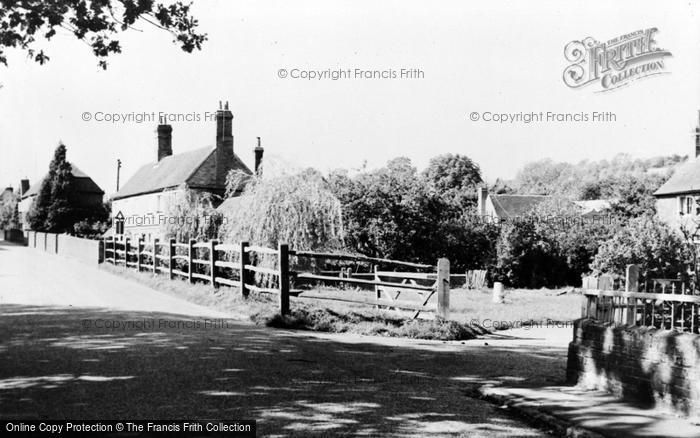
[(647, 242)]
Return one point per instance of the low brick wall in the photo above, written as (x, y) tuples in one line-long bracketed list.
[(659, 367), (86, 250)]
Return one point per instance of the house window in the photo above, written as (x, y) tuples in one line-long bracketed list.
[(158, 203), (689, 206)]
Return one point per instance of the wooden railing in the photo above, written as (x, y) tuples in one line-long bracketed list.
[(267, 271), (668, 311)]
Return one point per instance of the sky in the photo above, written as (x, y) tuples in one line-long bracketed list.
[(475, 57)]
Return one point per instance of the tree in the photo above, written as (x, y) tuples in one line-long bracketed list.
[(190, 215), (9, 214), (647, 242), (454, 177), (54, 209), (95, 22), (635, 196), (395, 212), (296, 208)]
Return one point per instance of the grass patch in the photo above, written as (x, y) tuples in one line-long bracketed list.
[(471, 311), (369, 323), (225, 299)]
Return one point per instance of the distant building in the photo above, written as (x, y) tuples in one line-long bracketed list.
[(87, 193), (500, 208), (677, 199), (144, 199)]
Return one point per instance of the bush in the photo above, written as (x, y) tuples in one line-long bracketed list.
[(551, 246), (647, 242)]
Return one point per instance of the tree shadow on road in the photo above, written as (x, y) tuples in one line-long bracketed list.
[(65, 362)]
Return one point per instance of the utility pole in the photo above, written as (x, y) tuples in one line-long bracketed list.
[(119, 166)]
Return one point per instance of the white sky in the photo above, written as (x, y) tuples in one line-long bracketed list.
[(477, 56)]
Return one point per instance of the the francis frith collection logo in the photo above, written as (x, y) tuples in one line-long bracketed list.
[(614, 63)]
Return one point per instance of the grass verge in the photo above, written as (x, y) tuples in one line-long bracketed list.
[(304, 316)]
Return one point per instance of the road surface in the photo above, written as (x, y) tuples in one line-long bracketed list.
[(79, 342)]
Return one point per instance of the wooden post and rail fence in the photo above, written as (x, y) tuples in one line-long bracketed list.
[(669, 306), (269, 271)]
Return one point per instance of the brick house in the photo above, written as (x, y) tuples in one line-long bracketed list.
[(677, 199), (143, 200), (87, 194)]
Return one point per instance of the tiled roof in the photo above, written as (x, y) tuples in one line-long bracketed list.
[(197, 168), (83, 183), (686, 179), (515, 205)]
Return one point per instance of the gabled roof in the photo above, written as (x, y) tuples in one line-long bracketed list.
[(83, 183), (515, 205), (196, 168), (686, 179)]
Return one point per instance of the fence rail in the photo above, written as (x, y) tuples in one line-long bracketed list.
[(672, 309), (256, 271)]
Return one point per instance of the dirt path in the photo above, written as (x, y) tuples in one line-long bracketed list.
[(77, 361)]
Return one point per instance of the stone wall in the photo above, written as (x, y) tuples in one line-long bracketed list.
[(658, 367)]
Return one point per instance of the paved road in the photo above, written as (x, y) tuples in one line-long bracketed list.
[(79, 342)]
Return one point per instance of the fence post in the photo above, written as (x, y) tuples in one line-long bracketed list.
[(171, 253), (191, 254), (155, 258), (283, 254), (138, 253), (126, 252), (443, 288), (212, 261), (631, 285), (377, 289), (104, 249), (245, 260)]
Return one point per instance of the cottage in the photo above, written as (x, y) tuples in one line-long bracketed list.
[(677, 199), (86, 195), (143, 201)]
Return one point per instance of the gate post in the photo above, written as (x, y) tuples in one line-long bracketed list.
[(443, 288)]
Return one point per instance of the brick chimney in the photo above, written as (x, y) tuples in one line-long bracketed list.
[(697, 137), (165, 139), (224, 143), (258, 158), (481, 201), (23, 186)]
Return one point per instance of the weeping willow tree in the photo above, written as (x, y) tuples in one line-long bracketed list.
[(189, 215), (298, 209)]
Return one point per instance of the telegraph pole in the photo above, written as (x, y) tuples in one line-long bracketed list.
[(119, 166)]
